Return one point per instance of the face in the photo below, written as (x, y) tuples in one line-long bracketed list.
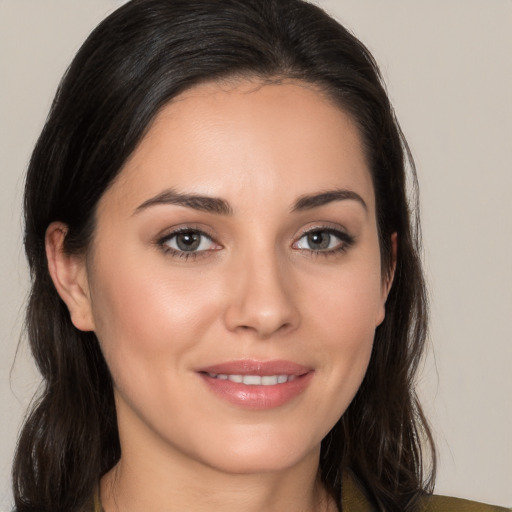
[(234, 280)]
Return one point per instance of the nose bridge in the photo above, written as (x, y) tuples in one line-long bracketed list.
[(261, 300)]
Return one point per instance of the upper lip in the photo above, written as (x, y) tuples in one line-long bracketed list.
[(254, 367)]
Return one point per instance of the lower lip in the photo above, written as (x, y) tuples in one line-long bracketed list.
[(258, 397)]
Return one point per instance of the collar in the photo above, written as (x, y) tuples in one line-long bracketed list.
[(353, 497)]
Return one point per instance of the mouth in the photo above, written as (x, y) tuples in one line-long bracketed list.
[(257, 384), (254, 380)]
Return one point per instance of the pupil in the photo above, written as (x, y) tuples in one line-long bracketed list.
[(319, 240), (188, 241)]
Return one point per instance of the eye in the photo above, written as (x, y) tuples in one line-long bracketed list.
[(324, 240), (188, 241)]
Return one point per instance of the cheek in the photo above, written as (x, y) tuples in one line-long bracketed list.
[(344, 316), (149, 315), (349, 303), (348, 318)]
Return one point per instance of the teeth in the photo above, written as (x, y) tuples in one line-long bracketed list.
[(254, 380)]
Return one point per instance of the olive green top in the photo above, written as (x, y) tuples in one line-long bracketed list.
[(354, 500)]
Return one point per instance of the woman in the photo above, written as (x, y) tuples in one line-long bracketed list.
[(227, 307)]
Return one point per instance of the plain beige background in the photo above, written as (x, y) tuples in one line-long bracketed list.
[(448, 65)]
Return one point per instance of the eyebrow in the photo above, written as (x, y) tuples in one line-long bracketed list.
[(308, 202), (196, 202), (222, 207)]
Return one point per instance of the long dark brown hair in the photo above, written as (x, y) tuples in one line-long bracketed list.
[(134, 63)]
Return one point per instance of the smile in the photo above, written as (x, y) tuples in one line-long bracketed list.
[(257, 385), (254, 380)]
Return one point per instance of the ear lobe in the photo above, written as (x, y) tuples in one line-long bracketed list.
[(69, 276)]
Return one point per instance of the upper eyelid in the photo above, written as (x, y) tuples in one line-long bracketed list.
[(169, 233), (327, 226), (346, 239)]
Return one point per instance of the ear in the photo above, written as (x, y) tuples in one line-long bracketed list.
[(387, 280), (69, 276)]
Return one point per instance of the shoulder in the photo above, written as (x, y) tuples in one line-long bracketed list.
[(355, 500), (445, 504)]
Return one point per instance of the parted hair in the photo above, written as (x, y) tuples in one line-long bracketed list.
[(138, 59)]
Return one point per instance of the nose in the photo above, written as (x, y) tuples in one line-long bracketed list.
[(261, 299)]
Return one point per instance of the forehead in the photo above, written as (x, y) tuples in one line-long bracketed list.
[(278, 140)]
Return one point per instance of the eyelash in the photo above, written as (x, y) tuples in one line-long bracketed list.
[(185, 255), (346, 241)]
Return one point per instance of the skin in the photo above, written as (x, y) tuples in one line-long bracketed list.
[(257, 289)]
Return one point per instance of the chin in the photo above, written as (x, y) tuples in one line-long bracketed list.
[(259, 463), (262, 452)]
